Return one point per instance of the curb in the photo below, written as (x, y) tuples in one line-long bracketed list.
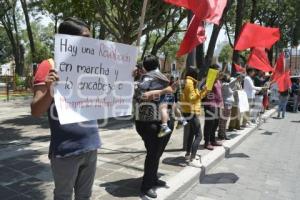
[(189, 175)]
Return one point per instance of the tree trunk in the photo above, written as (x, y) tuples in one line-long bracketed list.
[(55, 23), (270, 55), (191, 58), (147, 41), (102, 32), (214, 38), (200, 59), (239, 22), (253, 11), (29, 30), (18, 58)]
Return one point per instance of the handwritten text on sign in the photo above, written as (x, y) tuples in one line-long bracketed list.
[(95, 78)]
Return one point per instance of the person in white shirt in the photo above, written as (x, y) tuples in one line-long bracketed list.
[(250, 90)]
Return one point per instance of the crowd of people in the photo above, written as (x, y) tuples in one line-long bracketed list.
[(159, 102), (220, 105)]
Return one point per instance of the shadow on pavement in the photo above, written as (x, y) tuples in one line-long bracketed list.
[(295, 121), (175, 161), (27, 120), (8, 134), (233, 135), (25, 177), (268, 133), (123, 188), (237, 155), (219, 178)]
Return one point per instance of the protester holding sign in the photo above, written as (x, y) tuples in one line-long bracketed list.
[(73, 147), (212, 105), (148, 125), (190, 104)]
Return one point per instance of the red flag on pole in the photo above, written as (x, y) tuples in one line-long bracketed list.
[(194, 36), (239, 68), (206, 10), (284, 82), (179, 3), (258, 59), (279, 67), (253, 35)]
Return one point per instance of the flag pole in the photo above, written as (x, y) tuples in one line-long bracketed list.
[(142, 21)]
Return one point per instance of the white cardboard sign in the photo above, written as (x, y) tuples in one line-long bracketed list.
[(95, 78), (243, 101)]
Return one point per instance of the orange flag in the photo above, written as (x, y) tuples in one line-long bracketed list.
[(258, 59), (253, 35), (194, 36)]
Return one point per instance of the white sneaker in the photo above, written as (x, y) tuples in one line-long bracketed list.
[(195, 163), (165, 130), (184, 122)]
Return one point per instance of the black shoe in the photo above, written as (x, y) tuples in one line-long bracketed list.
[(150, 193), (161, 183)]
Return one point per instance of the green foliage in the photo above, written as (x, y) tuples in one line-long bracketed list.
[(5, 48), (19, 81), (226, 54), (43, 38)]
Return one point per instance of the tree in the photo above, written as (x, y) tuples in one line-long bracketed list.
[(204, 63), (226, 55), (29, 31), (123, 26), (9, 13), (279, 13), (5, 49), (43, 38)]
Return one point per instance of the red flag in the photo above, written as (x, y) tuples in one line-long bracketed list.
[(284, 82), (279, 67), (239, 68), (258, 59), (194, 36), (206, 10), (253, 35), (180, 3)]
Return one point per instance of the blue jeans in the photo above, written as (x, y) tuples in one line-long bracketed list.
[(282, 105), (296, 103)]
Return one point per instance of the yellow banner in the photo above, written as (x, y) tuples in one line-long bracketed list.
[(211, 77)]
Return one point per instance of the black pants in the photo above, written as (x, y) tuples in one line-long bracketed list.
[(212, 115), (193, 130), (155, 147)]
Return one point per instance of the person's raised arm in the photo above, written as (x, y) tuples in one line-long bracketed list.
[(43, 96)]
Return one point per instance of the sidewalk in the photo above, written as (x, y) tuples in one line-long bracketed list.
[(25, 171)]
